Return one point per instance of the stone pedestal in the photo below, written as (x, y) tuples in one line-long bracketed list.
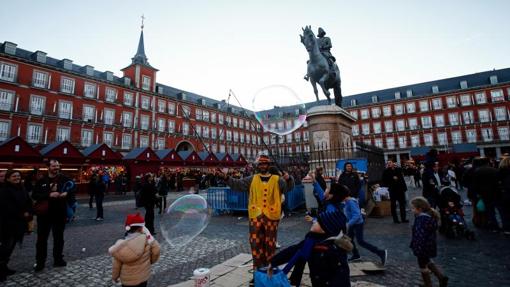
[(330, 136)]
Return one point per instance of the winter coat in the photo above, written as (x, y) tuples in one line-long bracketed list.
[(14, 202), (351, 180), (394, 186), (430, 184), (57, 207), (504, 175), (423, 242), (148, 195), (486, 183), (132, 259)]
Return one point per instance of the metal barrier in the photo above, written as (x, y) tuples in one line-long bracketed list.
[(224, 200)]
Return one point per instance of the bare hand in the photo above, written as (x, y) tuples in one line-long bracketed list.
[(312, 175), (63, 194), (54, 194), (269, 271), (308, 218), (286, 175), (53, 187), (26, 214)]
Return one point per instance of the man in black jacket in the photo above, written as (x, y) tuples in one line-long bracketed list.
[(52, 189), (393, 179), (350, 179), (432, 178)]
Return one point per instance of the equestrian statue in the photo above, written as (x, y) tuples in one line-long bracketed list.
[(322, 68)]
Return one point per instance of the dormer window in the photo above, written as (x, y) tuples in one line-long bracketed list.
[(463, 85), (353, 102), (409, 93), (493, 79), (435, 89), (397, 95), (146, 83), (374, 99)]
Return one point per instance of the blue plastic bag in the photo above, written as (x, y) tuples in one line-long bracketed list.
[(480, 206), (279, 279)]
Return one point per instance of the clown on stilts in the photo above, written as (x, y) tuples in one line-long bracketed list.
[(264, 208)]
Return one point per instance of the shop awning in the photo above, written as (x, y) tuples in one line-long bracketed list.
[(101, 154), (417, 151), (17, 151), (465, 148), (169, 157), (64, 152), (191, 158), (142, 154), (208, 158)]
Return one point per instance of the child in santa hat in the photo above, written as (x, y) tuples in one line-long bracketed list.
[(134, 255)]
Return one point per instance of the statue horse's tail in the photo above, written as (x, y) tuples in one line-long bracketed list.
[(338, 94)]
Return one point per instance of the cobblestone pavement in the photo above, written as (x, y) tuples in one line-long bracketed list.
[(484, 262)]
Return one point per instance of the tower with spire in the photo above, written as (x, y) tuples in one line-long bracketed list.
[(141, 73)]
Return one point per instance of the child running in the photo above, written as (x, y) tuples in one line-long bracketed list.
[(423, 242), (134, 255)]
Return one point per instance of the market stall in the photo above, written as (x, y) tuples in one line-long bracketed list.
[(208, 159), (169, 157), (239, 160), (224, 159), (140, 161), (102, 160), (16, 153)]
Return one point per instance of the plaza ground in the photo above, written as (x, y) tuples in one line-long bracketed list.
[(484, 262)]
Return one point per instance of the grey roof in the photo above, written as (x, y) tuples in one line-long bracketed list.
[(184, 154), (162, 153), (8, 140), (50, 147), (203, 155), (134, 153), (220, 155), (90, 149)]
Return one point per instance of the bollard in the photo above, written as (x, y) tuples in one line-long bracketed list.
[(202, 277)]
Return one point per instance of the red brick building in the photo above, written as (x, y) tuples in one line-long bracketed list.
[(45, 100)]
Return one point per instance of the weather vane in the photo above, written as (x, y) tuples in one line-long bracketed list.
[(143, 18)]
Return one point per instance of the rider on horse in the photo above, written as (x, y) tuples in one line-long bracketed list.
[(325, 49)]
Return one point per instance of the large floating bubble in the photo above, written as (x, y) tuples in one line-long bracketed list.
[(184, 220), (279, 109)]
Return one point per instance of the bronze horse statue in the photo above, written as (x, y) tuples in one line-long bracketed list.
[(318, 69)]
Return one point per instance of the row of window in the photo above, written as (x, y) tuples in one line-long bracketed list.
[(442, 139), (454, 119), (428, 105)]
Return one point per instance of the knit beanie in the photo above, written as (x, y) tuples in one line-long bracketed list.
[(332, 222)]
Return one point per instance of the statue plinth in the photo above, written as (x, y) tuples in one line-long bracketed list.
[(330, 136)]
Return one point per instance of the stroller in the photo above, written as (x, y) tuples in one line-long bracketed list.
[(453, 224)]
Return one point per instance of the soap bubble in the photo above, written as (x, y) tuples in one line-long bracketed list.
[(279, 109), (184, 220)]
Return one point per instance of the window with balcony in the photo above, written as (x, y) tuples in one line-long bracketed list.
[(465, 100), (63, 134), (437, 103), (111, 95), (378, 143), (108, 138), (439, 119), (144, 141), (171, 126), (65, 110), (160, 144), (487, 134), (365, 128), (221, 135), (453, 118), (213, 133), (442, 139), (451, 102), (402, 141), (367, 141), (126, 141), (8, 72), (161, 106), (198, 114), (40, 79), (390, 143), (236, 136), (90, 90), (399, 109), (229, 135), (128, 99), (213, 119), (413, 123), (388, 126), (6, 100), (424, 106), (468, 117), (400, 125), (428, 139), (377, 127), (234, 122), (197, 130), (145, 102), (364, 114), (354, 114), (355, 130), (205, 116), (161, 125), (5, 130), (497, 96), (426, 122), (305, 135), (205, 132), (228, 122), (481, 98), (387, 111), (146, 83), (500, 113), (456, 137), (34, 133), (127, 119), (109, 116), (37, 104), (67, 85), (471, 136), (89, 113), (503, 133), (86, 137), (144, 122), (411, 107), (185, 128), (415, 141), (186, 111), (484, 116), (376, 112), (171, 108)]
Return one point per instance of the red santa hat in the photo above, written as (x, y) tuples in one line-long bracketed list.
[(134, 220)]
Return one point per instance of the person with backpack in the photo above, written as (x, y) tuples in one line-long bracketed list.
[(134, 254)]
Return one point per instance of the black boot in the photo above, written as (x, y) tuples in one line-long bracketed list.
[(427, 281), (443, 280)]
